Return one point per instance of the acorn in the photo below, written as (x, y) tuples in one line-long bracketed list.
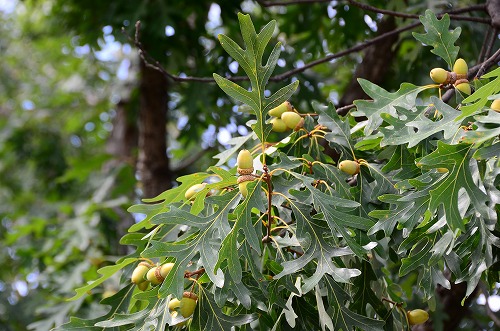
[(156, 275), (244, 162), (299, 125), (139, 272), (244, 159), (278, 125), (243, 182), (495, 105), (174, 304), (464, 88), (143, 286), (278, 111), (439, 75), (417, 316), (349, 167), (460, 67), (188, 304), (191, 192), (291, 119)]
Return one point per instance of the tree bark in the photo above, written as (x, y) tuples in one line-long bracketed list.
[(375, 64), (153, 164)]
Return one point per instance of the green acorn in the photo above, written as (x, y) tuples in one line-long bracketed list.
[(139, 272), (439, 75), (464, 88), (349, 167), (143, 286), (460, 67), (174, 304), (291, 119), (188, 304), (278, 125), (417, 316), (495, 105), (278, 111), (191, 192)]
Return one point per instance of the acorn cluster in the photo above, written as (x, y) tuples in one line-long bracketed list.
[(285, 118), (457, 78), (185, 306), (145, 273)]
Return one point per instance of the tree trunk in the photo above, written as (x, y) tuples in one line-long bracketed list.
[(153, 164), (374, 65)]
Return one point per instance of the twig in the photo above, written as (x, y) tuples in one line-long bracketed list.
[(491, 43), (287, 3), (267, 178), (152, 63), (353, 49), (488, 37), (343, 110), (198, 272), (404, 15), (487, 64)]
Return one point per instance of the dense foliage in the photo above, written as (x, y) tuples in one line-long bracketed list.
[(299, 242), (306, 246)]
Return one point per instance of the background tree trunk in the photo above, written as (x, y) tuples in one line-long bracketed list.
[(375, 64), (153, 165)]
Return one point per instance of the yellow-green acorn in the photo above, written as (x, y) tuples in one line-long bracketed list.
[(278, 125), (165, 269), (243, 182), (439, 75), (244, 160), (495, 105), (278, 111), (291, 119), (417, 316), (156, 275), (460, 67), (464, 88), (188, 304), (191, 192), (143, 286), (174, 304), (349, 167), (139, 272)]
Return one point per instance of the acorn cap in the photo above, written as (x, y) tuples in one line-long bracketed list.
[(245, 171)]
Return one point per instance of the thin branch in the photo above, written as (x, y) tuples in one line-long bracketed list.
[(353, 49), (290, 2), (491, 43), (487, 40), (343, 110), (488, 64), (152, 63), (404, 15)]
